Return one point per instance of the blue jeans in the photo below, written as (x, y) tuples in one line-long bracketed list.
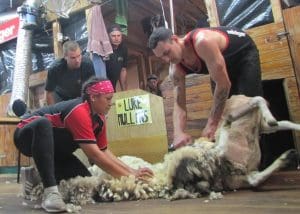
[(99, 66)]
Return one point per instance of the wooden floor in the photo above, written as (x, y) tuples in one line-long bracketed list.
[(285, 199)]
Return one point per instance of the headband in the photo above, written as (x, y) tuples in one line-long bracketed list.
[(103, 87)]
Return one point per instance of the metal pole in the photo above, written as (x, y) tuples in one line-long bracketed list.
[(172, 16)]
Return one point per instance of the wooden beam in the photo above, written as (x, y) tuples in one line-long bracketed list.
[(292, 25), (56, 44), (88, 16), (141, 71), (38, 78), (293, 101), (213, 17), (277, 10), (78, 6)]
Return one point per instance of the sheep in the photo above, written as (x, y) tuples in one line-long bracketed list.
[(232, 161), (103, 187), (202, 168)]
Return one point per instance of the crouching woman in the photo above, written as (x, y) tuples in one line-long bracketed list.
[(51, 134)]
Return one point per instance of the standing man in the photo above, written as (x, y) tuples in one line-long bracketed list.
[(117, 63), (66, 75), (227, 54)]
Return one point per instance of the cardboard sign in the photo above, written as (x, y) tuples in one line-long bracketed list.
[(133, 110), (9, 30)]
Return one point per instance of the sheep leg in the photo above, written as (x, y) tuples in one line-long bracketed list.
[(255, 178), (269, 123), (254, 102), (240, 111), (281, 125), (267, 117)]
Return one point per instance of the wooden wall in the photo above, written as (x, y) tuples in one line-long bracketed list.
[(8, 151), (292, 96), (199, 100), (292, 25), (276, 62)]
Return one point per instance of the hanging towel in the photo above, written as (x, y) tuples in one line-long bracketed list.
[(98, 40), (121, 18)]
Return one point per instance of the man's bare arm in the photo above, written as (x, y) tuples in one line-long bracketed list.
[(179, 112), (209, 50), (123, 79), (50, 98)]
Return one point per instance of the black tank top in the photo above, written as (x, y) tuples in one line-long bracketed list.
[(237, 40)]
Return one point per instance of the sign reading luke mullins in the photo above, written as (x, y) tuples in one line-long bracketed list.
[(133, 110)]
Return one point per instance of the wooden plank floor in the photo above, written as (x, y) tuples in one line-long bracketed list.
[(282, 200)]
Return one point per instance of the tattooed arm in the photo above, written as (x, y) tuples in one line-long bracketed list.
[(208, 49), (219, 100)]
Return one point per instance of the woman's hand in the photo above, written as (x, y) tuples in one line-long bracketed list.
[(143, 174)]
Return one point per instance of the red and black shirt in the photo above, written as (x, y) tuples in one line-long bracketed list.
[(75, 116)]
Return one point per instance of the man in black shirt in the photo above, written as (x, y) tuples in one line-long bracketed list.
[(66, 75), (117, 63)]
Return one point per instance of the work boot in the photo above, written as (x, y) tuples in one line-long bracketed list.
[(30, 178), (53, 202)]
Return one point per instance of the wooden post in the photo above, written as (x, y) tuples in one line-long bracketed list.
[(277, 10), (291, 21), (56, 40), (9, 155), (212, 11), (141, 71), (293, 101), (88, 17)]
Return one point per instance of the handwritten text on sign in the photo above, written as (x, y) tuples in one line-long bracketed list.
[(133, 110)]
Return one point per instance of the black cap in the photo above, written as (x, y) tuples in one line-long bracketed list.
[(152, 77), (114, 27)]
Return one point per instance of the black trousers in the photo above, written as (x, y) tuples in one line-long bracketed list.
[(51, 150)]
